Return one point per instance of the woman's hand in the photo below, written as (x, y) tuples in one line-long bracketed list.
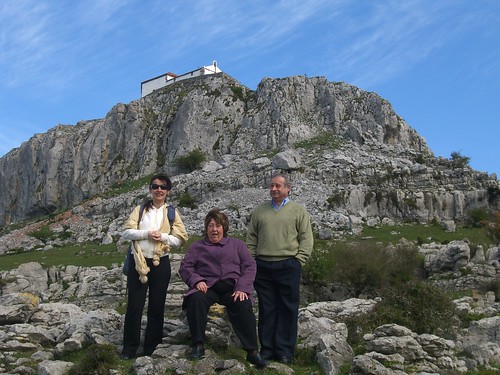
[(238, 295), (154, 235), (201, 286)]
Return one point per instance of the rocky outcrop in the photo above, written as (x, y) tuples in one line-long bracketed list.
[(47, 312), (351, 157), (236, 186), (56, 328)]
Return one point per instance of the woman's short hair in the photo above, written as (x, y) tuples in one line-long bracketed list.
[(219, 217), (162, 177)]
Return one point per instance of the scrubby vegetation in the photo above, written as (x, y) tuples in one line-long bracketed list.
[(379, 264), (187, 200), (94, 359), (192, 161), (459, 160), (416, 305)]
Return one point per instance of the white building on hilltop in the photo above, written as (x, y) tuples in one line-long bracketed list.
[(147, 87)]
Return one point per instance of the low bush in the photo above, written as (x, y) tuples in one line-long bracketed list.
[(98, 359), (493, 226), (478, 216), (368, 267), (186, 200), (192, 161), (44, 233), (459, 160), (417, 305), (363, 267)]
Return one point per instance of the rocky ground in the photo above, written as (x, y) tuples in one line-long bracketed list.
[(46, 312)]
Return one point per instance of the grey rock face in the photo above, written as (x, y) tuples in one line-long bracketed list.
[(373, 164)]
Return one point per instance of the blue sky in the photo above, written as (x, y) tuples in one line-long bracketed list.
[(436, 61)]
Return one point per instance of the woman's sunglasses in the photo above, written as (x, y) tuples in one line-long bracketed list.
[(162, 187)]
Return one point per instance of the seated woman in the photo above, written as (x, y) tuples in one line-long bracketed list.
[(220, 269)]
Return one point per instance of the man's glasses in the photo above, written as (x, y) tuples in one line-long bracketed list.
[(162, 187)]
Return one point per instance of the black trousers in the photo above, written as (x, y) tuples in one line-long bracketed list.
[(158, 280), (240, 314), (278, 289)]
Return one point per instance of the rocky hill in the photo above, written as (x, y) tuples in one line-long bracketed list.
[(352, 159)]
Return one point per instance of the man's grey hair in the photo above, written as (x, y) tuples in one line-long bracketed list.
[(285, 178)]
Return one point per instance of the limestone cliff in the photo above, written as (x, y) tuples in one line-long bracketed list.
[(379, 166)]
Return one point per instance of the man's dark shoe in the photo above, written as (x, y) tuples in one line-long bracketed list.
[(197, 352), (256, 359), (266, 355), (284, 359), (126, 355)]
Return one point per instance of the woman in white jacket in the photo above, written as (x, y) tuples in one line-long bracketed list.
[(152, 236)]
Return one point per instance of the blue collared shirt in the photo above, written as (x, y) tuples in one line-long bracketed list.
[(276, 207)]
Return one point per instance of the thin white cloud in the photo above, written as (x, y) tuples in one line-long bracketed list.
[(45, 43), (24, 42), (396, 36)]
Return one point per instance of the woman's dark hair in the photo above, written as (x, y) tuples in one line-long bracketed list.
[(219, 217), (158, 176), (162, 177)]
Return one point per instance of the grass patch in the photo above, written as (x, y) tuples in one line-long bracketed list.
[(325, 139), (494, 370), (424, 234), (304, 361), (85, 255), (127, 186), (81, 255)]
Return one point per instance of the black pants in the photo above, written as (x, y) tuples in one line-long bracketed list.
[(158, 280), (278, 288), (240, 314)]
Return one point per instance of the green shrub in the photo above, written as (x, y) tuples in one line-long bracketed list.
[(493, 226), (126, 186), (186, 200), (420, 158), (305, 357), (459, 160), (238, 93), (98, 359), (192, 161), (416, 305), (481, 370), (44, 233), (419, 306), (319, 265), (363, 267), (478, 216), (369, 267), (336, 200)]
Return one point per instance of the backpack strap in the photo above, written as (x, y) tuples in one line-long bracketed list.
[(171, 215)]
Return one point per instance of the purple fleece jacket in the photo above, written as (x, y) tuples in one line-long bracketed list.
[(227, 260)]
